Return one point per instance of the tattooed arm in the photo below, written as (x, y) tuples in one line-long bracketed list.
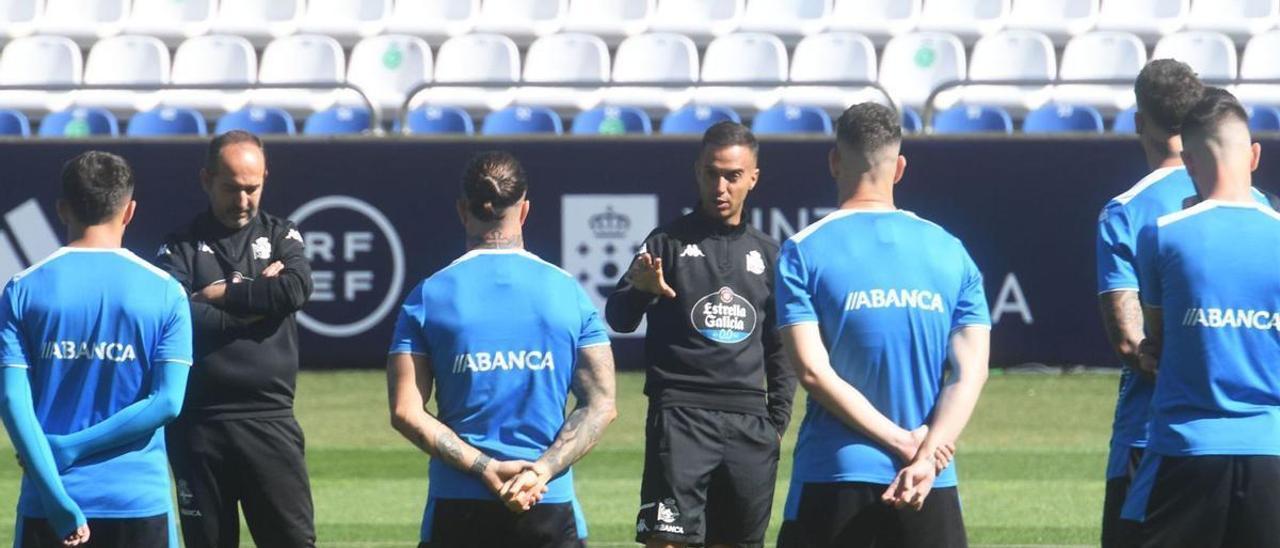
[(1122, 317)]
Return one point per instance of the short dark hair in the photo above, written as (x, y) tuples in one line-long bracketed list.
[(95, 185), (727, 134), (1216, 106), (213, 157), (1166, 90), (869, 127), (493, 181)]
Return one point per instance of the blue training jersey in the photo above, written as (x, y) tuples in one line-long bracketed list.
[(91, 326), (886, 289)]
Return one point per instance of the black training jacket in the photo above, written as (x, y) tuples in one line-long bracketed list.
[(246, 349), (716, 344)]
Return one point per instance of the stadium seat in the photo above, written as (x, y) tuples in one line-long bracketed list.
[(1124, 122), (125, 59), (659, 57), (472, 58), (612, 121), (972, 119), (1060, 20), (1149, 19), (522, 20), (347, 21), (439, 120), (732, 63), (433, 20), (259, 21), (80, 122), (302, 58), (387, 68), (1008, 55), (1212, 55), (611, 20), (212, 59), (170, 21), (1263, 118), (14, 124), (1239, 19), (831, 57), (522, 120), (258, 120), (792, 119), (84, 21), (166, 121), (966, 19), (19, 18), (1063, 119), (878, 20), (701, 20), (912, 65), (696, 119), (39, 61), (1261, 60), (569, 57), (911, 122), (1101, 55), (336, 121), (790, 20)]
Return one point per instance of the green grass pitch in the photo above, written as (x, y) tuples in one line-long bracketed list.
[(1030, 463)]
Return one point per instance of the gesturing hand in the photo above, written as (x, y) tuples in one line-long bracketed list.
[(645, 274), (912, 485)]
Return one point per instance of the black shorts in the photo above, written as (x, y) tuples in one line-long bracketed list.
[(1208, 501), (460, 523), (708, 477), (148, 532), (1117, 533), (849, 515)]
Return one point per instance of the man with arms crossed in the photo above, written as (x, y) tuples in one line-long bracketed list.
[(884, 316), (96, 348), (503, 337)]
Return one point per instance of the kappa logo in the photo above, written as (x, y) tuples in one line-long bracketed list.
[(755, 262), (33, 234), (692, 250), (261, 248)]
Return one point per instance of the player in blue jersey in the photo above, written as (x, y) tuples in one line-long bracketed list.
[(503, 337), (96, 348), (886, 322)]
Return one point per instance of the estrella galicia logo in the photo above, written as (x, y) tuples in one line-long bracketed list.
[(724, 317)]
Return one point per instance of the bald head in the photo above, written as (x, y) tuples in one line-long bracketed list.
[(1217, 148), (234, 173)]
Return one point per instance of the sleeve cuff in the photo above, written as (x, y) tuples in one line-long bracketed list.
[(797, 322), (594, 344), (175, 360), (1117, 289), (16, 365), (395, 351)]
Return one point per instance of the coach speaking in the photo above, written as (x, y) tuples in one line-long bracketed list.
[(236, 441)]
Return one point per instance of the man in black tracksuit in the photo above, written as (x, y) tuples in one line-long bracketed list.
[(236, 441), (718, 381)]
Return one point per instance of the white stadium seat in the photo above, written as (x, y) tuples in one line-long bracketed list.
[(39, 60), (967, 19), (1101, 55), (657, 57), (1239, 19), (569, 57), (736, 60), (433, 20), (522, 20), (701, 20), (1008, 55), (833, 56), (19, 18), (790, 20), (125, 59), (387, 68), (212, 59), (1058, 19), (172, 22), (878, 20), (1149, 19), (1212, 55), (347, 21), (85, 21), (475, 58), (912, 65), (259, 21), (1261, 61), (611, 20), (302, 58)]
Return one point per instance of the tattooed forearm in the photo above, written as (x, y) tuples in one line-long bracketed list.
[(1122, 318), (593, 384), (449, 448)]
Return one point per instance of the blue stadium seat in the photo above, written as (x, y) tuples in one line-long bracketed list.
[(696, 119), (911, 122), (792, 119), (166, 121), (1264, 118), (438, 120), (259, 120), (972, 119), (1124, 121), (336, 121), (1063, 119), (519, 120), (80, 122), (14, 123), (612, 121)]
